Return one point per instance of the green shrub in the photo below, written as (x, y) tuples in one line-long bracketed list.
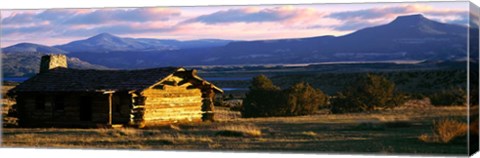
[(367, 93), (342, 104), (262, 82), (303, 99), (453, 96), (265, 99)]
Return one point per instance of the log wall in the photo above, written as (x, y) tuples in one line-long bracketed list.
[(170, 103), (178, 98), (69, 116)]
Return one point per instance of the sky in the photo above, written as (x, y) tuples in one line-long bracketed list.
[(60, 26)]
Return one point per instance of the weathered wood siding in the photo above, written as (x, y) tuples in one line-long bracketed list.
[(70, 114), (170, 103), (122, 103)]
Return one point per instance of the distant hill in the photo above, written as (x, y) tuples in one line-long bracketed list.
[(406, 38), (412, 37), (31, 47), (28, 64), (23, 59), (105, 43)]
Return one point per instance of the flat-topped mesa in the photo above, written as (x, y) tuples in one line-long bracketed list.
[(410, 19), (52, 61)]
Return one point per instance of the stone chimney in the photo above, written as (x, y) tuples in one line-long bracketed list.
[(52, 61)]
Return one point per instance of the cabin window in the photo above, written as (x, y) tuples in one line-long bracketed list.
[(40, 102), (59, 102)]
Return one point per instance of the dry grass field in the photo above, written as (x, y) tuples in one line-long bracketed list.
[(392, 131), (6, 105), (403, 130)]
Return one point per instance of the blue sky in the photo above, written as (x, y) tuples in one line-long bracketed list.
[(59, 26)]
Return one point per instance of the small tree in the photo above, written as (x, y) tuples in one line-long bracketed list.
[(452, 96), (303, 99), (265, 99), (262, 82), (262, 99), (366, 94), (340, 103)]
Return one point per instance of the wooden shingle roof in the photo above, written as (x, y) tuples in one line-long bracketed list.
[(75, 80)]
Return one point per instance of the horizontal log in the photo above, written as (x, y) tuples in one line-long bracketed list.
[(172, 95), (160, 123), (187, 108), (157, 122), (172, 105), (149, 97), (177, 101), (174, 110), (167, 86), (156, 98), (174, 100), (173, 117), (178, 113), (170, 113), (170, 90)]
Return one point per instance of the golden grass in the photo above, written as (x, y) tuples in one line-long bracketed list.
[(121, 138), (445, 130), (427, 138), (309, 133), (239, 130), (320, 132), (7, 104), (449, 129), (119, 132)]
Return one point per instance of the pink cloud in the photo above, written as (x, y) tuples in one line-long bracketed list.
[(262, 22), (244, 31), (131, 15), (91, 16), (284, 14), (81, 22)]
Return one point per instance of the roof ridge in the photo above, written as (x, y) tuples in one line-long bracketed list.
[(68, 79), (119, 70)]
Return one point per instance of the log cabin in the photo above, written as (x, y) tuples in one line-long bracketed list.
[(63, 97)]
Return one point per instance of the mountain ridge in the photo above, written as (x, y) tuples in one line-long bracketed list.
[(411, 37), (105, 42), (404, 36), (32, 47), (28, 64)]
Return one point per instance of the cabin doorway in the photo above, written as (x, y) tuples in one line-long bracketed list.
[(85, 108)]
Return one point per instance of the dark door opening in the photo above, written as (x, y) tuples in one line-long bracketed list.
[(85, 108)]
